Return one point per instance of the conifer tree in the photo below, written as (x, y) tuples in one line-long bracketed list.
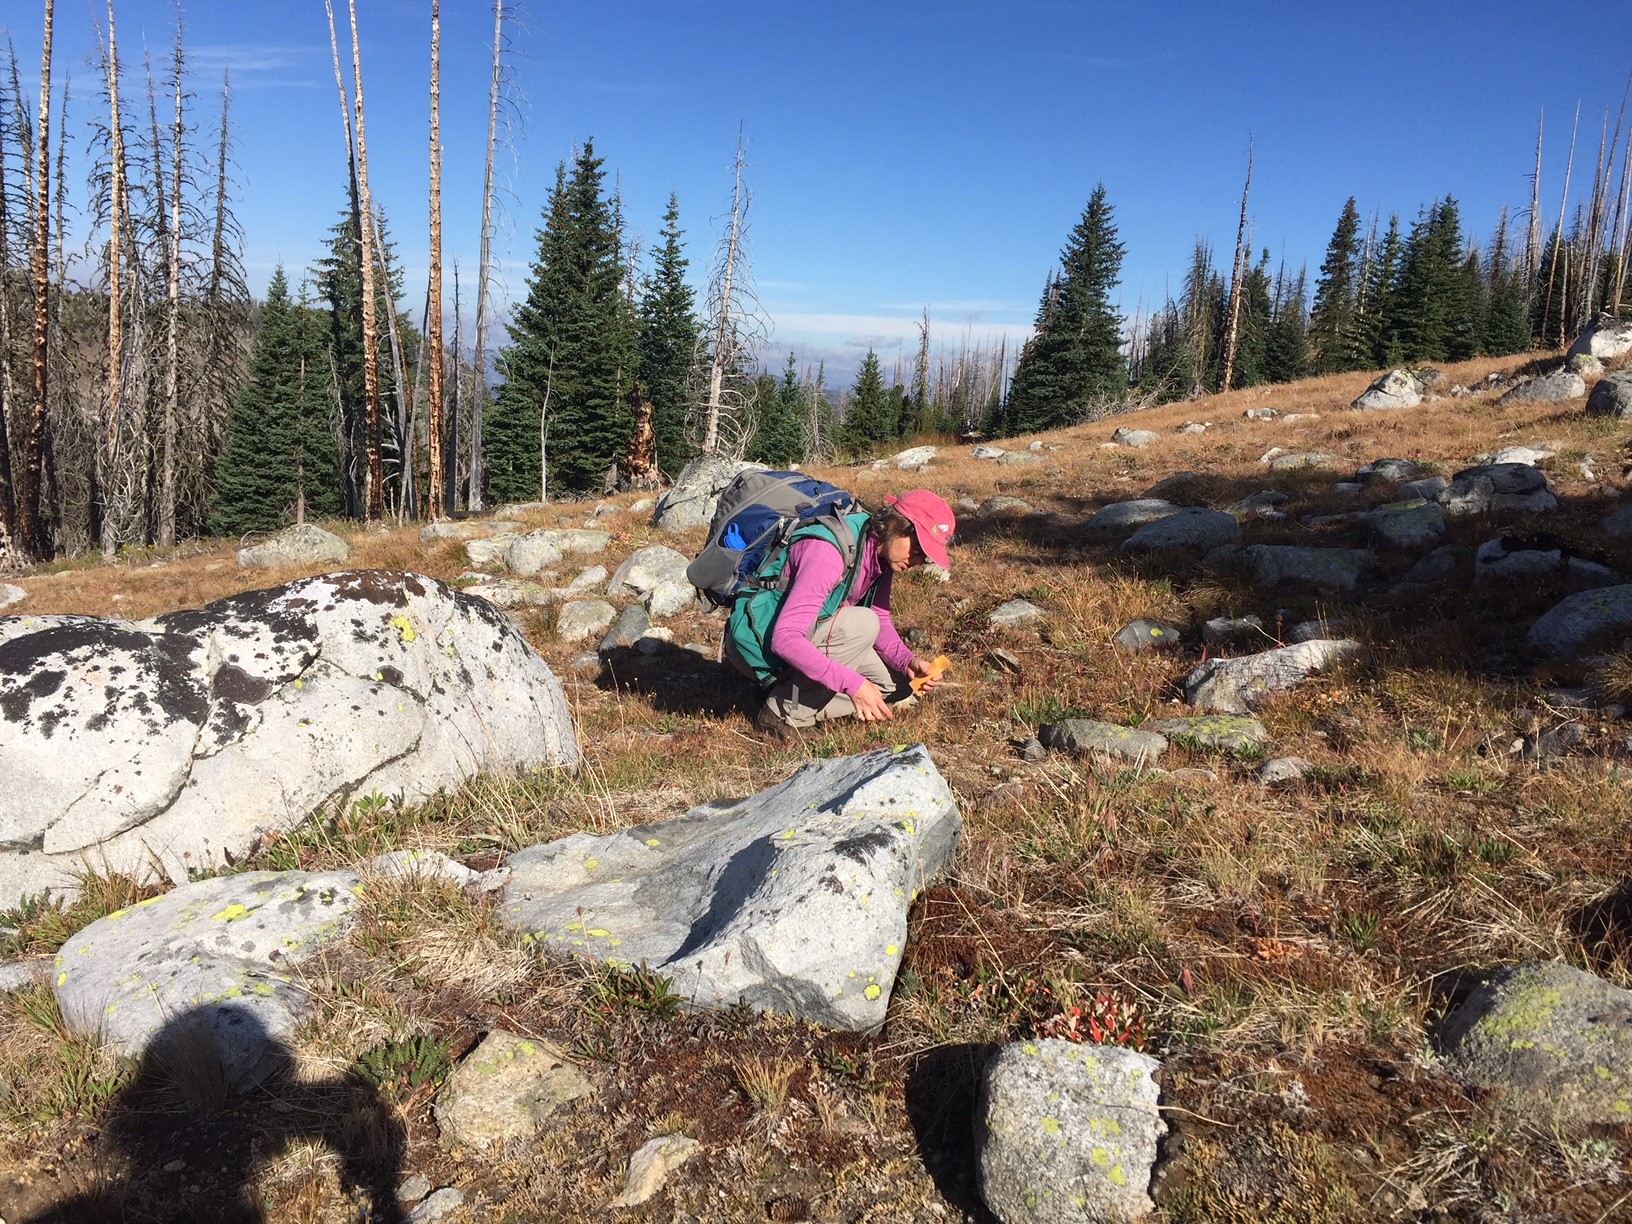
[(1333, 326), (1166, 373), (1378, 326), (1431, 291), (1257, 307), (1286, 349), (668, 337), (1506, 328), (1075, 357), (780, 438), (281, 460), (571, 363), (866, 416)]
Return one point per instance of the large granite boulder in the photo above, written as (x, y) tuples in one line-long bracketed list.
[(1606, 338), (657, 575), (208, 965), (1554, 388), (793, 900), (178, 742), (1515, 488), (1191, 529), (1396, 389), (1554, 1041), (1235, 686), (302, 544), (1612, 397), (1068, 1133), (691, 502), (1586, 621)]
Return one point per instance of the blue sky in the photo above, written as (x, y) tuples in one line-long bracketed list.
[(902, 153)]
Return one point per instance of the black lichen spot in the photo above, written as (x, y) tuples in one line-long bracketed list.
[(832, 883), (44, 683), (862, 846), (391, 676), (234, 684)]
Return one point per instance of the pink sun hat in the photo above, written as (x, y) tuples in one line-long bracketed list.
[(931, 520)]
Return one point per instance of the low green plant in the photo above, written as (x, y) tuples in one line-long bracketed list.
[(401, 1067), (1360, 927), (638, 990)]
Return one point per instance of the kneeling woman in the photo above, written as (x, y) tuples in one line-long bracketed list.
[(825, 642)]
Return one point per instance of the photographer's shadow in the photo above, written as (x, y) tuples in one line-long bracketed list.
[(186, 1143)]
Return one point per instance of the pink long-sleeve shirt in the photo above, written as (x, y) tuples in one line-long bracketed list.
[(816, 568)]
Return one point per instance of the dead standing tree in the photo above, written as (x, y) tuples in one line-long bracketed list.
[(433, 323), (1238, 276), (33, 541), (108, 465), (477, 498)]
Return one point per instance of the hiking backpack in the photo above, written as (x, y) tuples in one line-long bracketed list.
[(752, 525)]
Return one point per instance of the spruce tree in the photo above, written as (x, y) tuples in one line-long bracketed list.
[(572, 353), (281, 455), (1257, 306), (668, 339), (1075, 358), (866, 416), (1506, 328), (1333, 326), (1378, 324), (1431, 293), (780, 438), (1166, 374), (1286, 349)]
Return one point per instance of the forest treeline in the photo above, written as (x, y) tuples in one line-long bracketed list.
[(145, 398)]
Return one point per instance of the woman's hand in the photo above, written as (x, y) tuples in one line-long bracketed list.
[(870, 704), (923, 669)]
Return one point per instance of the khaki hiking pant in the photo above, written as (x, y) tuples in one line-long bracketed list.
[(846, 637)]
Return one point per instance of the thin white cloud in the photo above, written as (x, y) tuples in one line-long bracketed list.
[(258, 65), (964, 307), (876, 330)]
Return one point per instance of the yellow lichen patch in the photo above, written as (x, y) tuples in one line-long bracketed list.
[(1117, 1177), (62, 978), (1051, 1126), (232, 913), (652, 841), (892, 950), (405, 628), (873, 991)]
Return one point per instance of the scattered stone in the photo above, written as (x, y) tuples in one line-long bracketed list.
[(422, 865), (1038, 446), (413, 1189), (1068, 1132), (793, 900), (513, 593), (179, 742), (1606, 338), (1612, 397), (11, 595), (1260, 414), (1437, 567), (1135, 513), (1553, 388), (587, 580), (1234, 686), (1408, 525), (691, 502), (650, 1166), (1147, 634), (1195, 529), (1230, 733), (1031, 749), (1507, 560), (1137, 438), (1428, 488), (1391, 471), (632, 624), (915, 458), (582, 619), (1302, 459), (987, 452), (204, 967), (1585, 364), (1556, 1041), (462, 529), (1264, 504), (1194, 775), (1002, 506), (1234, 631), (504, 1088), (934, 573), (1018, 458), (1396, 389), (532, 553), (487, 551), (1195, 427), (1015, 612), (587, 664), (519, 510), (1291, 417), (1347, 488), (656, 574), (1089, 736), (1283, 771), (1004, 661), (1332, 570), (438, 1206), (1619, 523), (1517, 454), (1510, 487), (1310, 630), (14, 975), (302, 544), (1585, 621)]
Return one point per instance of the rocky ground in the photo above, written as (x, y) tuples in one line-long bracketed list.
[(1282, 732)]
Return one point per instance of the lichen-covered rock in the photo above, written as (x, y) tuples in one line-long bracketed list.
[(1331, 570), (1388, 471), (1015, 612), (1554, 388), (1091, 737), (463, 529), (1232, 733), (657, 575), (1148, 634), (302, 544), (1068, 1133), (1235, 686), (1002, 506), (1137, 438), (11, 595), (632, 624), (1303, 459), (691, 501), (514, 593), (793, 900), (1556, 1041), (1612, 397), (582, 619), (216, 955), (1135, 513), (1282, 771), (180, 741), (914, 458), (650, 1166), (530, 554), (1516, 488), (1586, 621), (1606, 338), (1192, 529), (504, 1088), (1396, 389), (1408, 525)]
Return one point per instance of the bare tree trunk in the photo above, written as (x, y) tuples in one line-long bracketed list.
[(1558, 241), (8, 497), (477, 497), (433, 322), (723, 337), (451, 440), (1532, 245), (109, 459), (1623, 224), (402, 422), (33, 539), (1238, 276), (172, 339), (374, 500)]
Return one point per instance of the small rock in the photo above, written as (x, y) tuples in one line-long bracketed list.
[(650, 1166), (1137, 438), (413, 1189), (1004, 661), (1195, 427), (504, 1087), (1213, 732), (1018, 458), (913, 459), (1612, 397), (1389, 471), (1408, 524), (488, 551), (518, 510), (1038, 446), (1087, 735), (587, 580), (1193, 529), (1002, 506), (627, 630), (462, 529), (1437, 567), (1396, 389), (1234, 686), (987, 452), (1265, 503), (1519, 454), (1031, 749), (1260, 414), (11, 595), (513, 593), (1194, 774), (302, 544), (1147, 634), (1428, 488), (438, 1206), (1347, 487), (1302, 459), (1555, 388), (1135, 513), (1310, 630), (1234, 631), (583, 619), (643, 506), (1015, 612), (1284, 770)]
